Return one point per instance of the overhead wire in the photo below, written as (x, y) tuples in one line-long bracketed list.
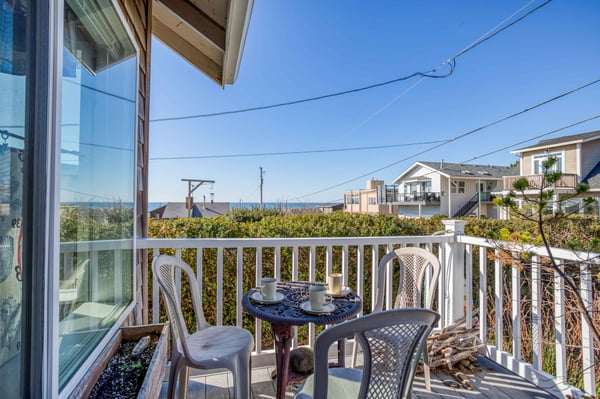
[(447, 141), (427, 74), (310, 99), (448, 165), (476, 42), (591, 118), (504, 148), (262, 154)]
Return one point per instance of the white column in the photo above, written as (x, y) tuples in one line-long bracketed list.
[(454, 264)]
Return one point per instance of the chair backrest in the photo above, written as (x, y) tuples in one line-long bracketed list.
[(413, 265), (165, 269), (392, 343)]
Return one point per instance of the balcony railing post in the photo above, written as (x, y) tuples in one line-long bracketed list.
[(454, 264)]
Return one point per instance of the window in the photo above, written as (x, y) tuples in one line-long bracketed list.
[(372, 200), (13, 81), (97, 163), (538, 161), (355, 199), (457, 187)]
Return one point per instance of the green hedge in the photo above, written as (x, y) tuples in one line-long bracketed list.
[(275, 224)]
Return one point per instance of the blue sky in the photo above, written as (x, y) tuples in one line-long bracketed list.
[(300, 49)]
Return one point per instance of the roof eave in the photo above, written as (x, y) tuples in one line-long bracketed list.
[(561, 144), (238, 23), (213, 48)]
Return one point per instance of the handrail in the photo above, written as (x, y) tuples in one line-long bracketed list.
[(359, 256)]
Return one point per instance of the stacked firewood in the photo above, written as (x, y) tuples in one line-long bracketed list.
[(452, 348)]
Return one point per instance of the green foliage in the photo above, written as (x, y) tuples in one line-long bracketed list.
[(273, 223), (88, 224)]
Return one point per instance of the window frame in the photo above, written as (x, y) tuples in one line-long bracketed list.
[(541, 157), (52, 325), (457, 186)]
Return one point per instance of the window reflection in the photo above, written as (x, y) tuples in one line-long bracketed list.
[(96, 179), (13, 56)]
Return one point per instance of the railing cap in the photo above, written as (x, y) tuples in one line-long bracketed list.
[(455, 226)]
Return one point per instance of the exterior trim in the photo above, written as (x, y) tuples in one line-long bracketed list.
[(238, 22), (34, 380)]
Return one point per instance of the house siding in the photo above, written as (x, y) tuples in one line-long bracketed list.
[(137, 14), (590, 156), (570, 160)]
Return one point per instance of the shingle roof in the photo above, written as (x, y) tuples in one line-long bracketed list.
[(474, 171), (175, 210), (563, 139)]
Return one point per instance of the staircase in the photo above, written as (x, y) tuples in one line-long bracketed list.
[(468, 207)]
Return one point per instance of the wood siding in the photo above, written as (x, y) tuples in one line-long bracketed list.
[(590, 156), (138, 15)]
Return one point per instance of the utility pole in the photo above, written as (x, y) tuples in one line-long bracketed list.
[(193, 184), (261, 186)]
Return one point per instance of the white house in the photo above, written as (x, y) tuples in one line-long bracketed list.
[(451, 189)]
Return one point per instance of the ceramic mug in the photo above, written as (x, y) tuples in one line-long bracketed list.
[(318, 297), (268, 287), (335, 283)]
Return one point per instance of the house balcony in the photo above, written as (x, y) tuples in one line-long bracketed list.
[(471, 278), (419, 198), (567, 181)]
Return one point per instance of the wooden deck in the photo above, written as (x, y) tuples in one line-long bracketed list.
[(493, 382)]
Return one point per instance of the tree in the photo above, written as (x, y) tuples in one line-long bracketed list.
[(538, 202)]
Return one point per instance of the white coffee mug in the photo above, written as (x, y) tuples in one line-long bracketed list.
[(335, 283), (317, 296), (268, 287)]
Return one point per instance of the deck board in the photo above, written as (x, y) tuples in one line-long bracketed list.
[(492, 382)]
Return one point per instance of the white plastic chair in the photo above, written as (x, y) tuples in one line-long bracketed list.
[(412, 291), (210, 347), (392, 343)]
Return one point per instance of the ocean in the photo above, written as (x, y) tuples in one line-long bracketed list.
[(251, 205)]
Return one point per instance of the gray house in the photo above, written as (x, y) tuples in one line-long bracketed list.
[(176, 210), (452, 189)]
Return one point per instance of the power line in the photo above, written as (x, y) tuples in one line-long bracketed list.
[(310, 99), (477, 43), (514, 144), (533, 138), (428, 74), (470, 132), (294, 152)]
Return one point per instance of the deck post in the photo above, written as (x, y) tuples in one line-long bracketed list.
[(453, 276)]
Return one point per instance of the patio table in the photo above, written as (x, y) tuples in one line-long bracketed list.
[(287, 313)]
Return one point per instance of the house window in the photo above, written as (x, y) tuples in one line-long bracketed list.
[(372, 200), (97, 163), (355, 199), (457, 187), (538, 160)]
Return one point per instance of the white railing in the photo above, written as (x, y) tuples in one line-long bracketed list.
[(512, 358), (354, 248), (466, 273)]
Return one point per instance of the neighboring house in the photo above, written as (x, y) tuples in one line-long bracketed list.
[(371, 200), (578, 158), (177, 210), (451, 189), (75, 79)]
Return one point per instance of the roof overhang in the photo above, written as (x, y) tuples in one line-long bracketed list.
[(538, 147), (210, 35)]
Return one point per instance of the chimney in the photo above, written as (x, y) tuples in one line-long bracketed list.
[(442, 164)]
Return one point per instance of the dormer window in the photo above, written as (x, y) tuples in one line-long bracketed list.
[(538, 160)]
